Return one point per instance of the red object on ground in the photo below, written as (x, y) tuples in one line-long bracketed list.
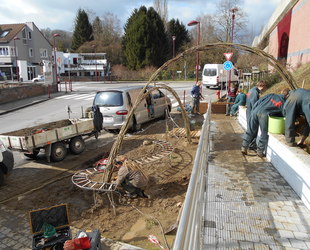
[(218, 93)]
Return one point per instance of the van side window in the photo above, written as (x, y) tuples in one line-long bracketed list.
[(157, 94), (209, 72)]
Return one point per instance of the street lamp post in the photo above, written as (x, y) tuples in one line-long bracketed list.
[(233, 10), (55, 61), (15, 52), (192, 23), (94, 47), (173, 53)]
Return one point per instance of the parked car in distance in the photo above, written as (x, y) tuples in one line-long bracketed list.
[(6, 161), (115, 104), (39, 78)]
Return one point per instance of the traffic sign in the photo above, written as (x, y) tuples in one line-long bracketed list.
[(228, 65), (228, 56)]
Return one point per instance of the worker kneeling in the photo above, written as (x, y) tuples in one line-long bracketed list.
[(132, 178)]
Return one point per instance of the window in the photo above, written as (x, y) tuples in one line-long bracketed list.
[(30, 52), (13, 52), (109, 98), (43, 53), (29, 35), (24, 37), (4, 51), (4, 33), (209, 72)]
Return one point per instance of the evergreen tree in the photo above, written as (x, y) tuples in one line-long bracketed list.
[(145, 41), (177, 29), (83, 31)]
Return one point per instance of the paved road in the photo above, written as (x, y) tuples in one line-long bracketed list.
[(78, 100)]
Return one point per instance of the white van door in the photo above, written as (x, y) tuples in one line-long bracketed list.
[(141, 112)]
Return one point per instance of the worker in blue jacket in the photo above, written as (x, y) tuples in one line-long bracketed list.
[(298, 103), (271, 104), (253, 96), (240, 101)]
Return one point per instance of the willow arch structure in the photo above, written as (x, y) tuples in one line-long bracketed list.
[(286, 75), (119, 141)]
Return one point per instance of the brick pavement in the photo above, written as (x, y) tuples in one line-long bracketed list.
[(249, 205)]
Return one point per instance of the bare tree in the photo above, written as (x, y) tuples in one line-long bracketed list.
[(111, 28), (223, 20), (161, 8)]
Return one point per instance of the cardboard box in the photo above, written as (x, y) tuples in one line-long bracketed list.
[(57, 216)]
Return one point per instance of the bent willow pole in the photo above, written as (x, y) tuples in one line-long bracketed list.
[(119, 141)]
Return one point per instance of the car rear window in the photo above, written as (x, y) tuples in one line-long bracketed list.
[(209, 72), (109, 98)]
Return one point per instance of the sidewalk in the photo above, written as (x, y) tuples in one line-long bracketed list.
[(22, 103), (249, 204)]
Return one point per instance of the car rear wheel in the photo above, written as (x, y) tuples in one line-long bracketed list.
[(59, 151), (77, 145)]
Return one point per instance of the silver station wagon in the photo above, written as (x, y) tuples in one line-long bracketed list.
[(115, 104)]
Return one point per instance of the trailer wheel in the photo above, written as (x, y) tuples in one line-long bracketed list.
[(1, 177), (77, 145), (32, 155), (59, 151)]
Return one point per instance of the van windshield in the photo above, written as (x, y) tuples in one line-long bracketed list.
[(109, 98), (209, 72)]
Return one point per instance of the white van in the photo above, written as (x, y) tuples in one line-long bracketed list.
[(214, 75), (115, 104)]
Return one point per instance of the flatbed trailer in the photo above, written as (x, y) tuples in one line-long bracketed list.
[(54, 138)]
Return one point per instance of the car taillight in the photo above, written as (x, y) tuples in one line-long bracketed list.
[(122, 112)]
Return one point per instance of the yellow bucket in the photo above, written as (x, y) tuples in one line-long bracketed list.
[(276, 125)]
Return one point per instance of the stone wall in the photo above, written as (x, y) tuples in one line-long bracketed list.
[(13, 92)]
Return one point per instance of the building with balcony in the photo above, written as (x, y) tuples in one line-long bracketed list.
[(24, 52), (92, 66)]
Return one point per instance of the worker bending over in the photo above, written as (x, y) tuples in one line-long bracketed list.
[(298, 103), (271, 104), (131, 178)]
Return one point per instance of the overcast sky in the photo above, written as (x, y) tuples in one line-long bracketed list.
[(60, 14)]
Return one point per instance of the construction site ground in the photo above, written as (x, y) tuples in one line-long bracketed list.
[(39, 184)]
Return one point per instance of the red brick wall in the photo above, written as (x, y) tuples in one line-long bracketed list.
[(9, 93)]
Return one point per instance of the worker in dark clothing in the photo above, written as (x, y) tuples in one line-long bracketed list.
[(298, 103), (271, 104), (231, 97), (196, 97), (150, 106), (240, 101), (252, 97)]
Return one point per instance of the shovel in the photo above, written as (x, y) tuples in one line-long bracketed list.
[(172, 228)]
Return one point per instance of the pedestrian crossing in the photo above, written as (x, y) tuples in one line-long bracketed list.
[(90, 96)]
